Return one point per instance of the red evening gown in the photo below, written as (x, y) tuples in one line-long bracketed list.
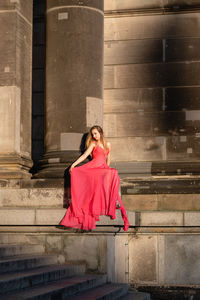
[(94, 192)]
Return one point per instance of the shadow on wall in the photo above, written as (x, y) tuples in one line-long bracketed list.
[(179, 121), (38, 79)]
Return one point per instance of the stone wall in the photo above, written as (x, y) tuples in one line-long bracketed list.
[(151, 80)]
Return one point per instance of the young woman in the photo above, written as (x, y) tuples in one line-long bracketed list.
[(94, 186)]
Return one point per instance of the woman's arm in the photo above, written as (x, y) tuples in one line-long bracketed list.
[(108, 156), (83, 156)]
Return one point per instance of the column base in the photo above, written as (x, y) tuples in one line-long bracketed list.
[(14, 166), (53, 164)]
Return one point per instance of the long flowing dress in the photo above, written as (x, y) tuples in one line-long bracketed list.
[(94, 192)]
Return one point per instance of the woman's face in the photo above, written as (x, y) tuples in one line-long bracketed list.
[(95, 134)]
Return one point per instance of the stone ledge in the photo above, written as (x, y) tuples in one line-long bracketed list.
[(143, 6), (45, 217), (162, 202), (52, 217)]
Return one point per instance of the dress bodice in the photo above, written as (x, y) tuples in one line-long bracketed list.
[(99, 153)]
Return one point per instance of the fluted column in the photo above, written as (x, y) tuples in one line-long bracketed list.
[(15, 88), (74, 79)]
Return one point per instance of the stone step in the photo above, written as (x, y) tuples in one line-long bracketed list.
[(50, 216), (107, 291), (61, 289), (21, 280), (8, 250), (136, 296), (26, 262)]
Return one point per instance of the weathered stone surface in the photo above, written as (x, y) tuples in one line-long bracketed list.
[(133, 51), (22, 6), (164, 202), (117, 269), (49, 216), (90, 250), (161, 219), (181, 259), (155, 26), (143, 256), (140, 202), (179, 202), (142, 5), (133, 100), (15, 79), (129, 4), (143, 123), (151, 75), (192, 218), (185, 49), (31, 197), (135, 148), (17, 217)]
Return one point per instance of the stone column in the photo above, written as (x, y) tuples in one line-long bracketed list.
[(74, 79), (15, 88)]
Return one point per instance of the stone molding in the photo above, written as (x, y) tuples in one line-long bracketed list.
[(144, 7)]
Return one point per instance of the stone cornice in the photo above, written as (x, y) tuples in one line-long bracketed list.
[(175, 8)]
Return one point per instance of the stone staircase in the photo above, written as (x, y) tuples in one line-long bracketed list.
[(26, 272)]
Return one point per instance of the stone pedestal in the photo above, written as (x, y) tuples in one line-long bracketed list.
[(74, 79), (15, 88)]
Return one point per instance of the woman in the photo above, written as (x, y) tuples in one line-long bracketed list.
[(94, 186)]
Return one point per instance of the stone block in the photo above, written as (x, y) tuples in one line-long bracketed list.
[(182, 98), (49, 216), (110, 5), (152, 27), (133, 100), (181, 202), (17, 216), (54, 244), (192, 218), (152, 75), (136, 148), (161, 219), (185, 49), (21, 6), (106, 221), (109, 77), (90, 250), (140, 202), (142, 123), (10, 119), (178, 148), (134, 51), (35, 197), (181, 259), (117, 269), (143, 259)]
